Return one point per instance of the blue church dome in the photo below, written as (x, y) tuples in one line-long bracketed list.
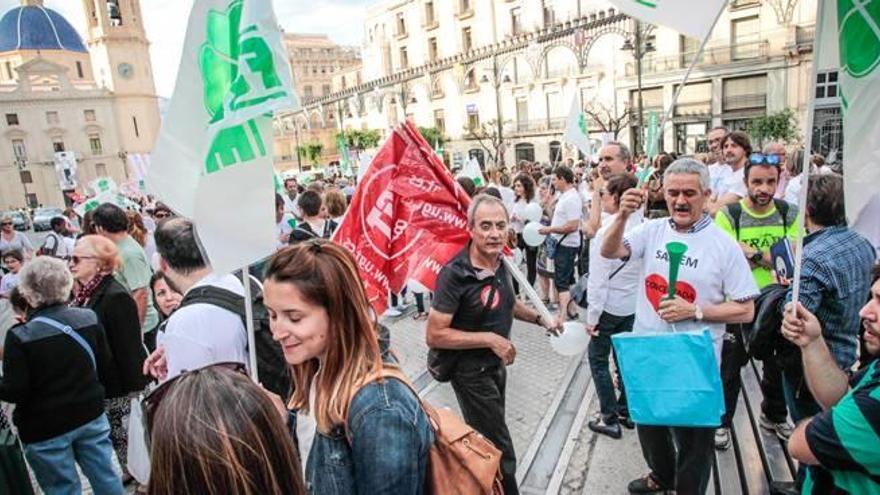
[(34, 27)]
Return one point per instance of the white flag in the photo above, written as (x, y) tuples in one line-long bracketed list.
[(472, 171), (855, 29), (576, 129), (213, 157), (689, 17)]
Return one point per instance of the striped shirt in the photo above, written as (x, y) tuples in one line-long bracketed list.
[(846, 441)]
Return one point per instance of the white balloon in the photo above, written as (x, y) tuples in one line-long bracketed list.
[(531, 235), (416, 286), (532, 212), (573, 340)]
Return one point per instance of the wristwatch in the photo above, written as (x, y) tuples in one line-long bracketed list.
[(757, 257), (698, 313)]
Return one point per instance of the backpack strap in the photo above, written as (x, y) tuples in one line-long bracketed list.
[(68, 330), (216, 296), (783, 207), (735, 211)]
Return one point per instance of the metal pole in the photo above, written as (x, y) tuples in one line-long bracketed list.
[(497, 82), (249, 322), (296, 144), (638, 52)]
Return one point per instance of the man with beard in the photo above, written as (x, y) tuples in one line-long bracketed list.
[(840, 443), (736, 149), (290, 199), (756, 222)]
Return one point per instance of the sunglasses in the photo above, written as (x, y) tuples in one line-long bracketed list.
[(4, 224), (162, 214), (151, 402), (762, 159), (74, 260)]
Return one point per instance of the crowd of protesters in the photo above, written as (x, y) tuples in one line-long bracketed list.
[(120, 308)]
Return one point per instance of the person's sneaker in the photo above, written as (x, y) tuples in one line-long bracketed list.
[(392, 312), (600, 426), (646, 484), (722, 438), (626, 421), (782, 430)]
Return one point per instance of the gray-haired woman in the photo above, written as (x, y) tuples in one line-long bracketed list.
[(50, 371), (12, 240)]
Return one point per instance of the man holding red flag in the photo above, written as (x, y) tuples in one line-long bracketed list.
[(470, 320)]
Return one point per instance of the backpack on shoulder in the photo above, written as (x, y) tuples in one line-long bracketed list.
[(461, 461), (272, 369)]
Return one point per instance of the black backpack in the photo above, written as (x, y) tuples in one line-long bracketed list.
[(735, 210), (272, 370)]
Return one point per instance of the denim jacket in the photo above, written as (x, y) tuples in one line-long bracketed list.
[(387, 448)]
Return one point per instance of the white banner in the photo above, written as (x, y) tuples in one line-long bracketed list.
[(472, 170), (213, 158), (689, 17), (855, 29), (576, 129)]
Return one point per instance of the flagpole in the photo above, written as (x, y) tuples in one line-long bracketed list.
[(249, 322), (531, 293), (805, 170), (668, 113)]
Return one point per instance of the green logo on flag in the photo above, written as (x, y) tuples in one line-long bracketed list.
[(859, 24), (238, 71), (647, 3), (582, 124), (103, 185)]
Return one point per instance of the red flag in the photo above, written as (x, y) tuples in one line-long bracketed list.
[(407, 219)]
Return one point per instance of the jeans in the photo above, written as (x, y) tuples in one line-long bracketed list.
[(679, 458), (598, 350), (54, 461), (480, 395)]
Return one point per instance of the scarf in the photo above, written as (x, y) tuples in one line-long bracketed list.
[(85, 292)]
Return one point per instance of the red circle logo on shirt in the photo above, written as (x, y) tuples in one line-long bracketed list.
[(484, 298)]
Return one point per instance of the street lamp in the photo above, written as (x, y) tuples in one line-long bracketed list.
[(497, 81), (639, 46), (299, 164)]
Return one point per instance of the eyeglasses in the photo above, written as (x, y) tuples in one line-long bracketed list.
[(151, 402), (762, 159), (74, 260), (4, 224)]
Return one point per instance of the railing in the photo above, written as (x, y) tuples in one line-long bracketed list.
[(720, 55), (534, 126), (743, 102), (804, 37)]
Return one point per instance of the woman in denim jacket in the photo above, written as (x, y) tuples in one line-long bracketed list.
[(358, 434)]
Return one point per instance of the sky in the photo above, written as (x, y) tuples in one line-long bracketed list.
[(165, 22)]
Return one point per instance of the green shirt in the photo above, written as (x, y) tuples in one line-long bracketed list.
[(135, 274), (759, 231)]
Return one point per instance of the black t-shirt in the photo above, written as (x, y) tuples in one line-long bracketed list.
[(463, 291), (304, 232)]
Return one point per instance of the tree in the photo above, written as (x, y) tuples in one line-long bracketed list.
[(361, 139), (310, 152), (780, 126), (606, 119), (486, 134), (433, 136)]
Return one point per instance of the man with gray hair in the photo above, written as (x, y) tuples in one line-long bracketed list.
[(715, 287), (469, 328), (615, 158)]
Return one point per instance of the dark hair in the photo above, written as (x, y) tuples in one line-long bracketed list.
[(492, 191), (110, 218), (279, 201), (876, 273), (14, 254), (825, 205), (87, 226), (528, 185), (56, 221), (468, 185), (749, 166), (619, 183), (18, 302), (309, 202), (216, 432), (157, 276), (177, 244), (563, 172), (663, 161), (290, 179), (160, 206), (741, 139)]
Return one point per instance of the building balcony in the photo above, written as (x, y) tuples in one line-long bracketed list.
[(533, 127), (744, 103), (715, 56)]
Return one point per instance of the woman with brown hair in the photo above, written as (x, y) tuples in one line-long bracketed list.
[(336, 205), (359, 433), (94, 260), (214, 432)]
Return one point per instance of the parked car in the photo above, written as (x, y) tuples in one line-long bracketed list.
[(20, 220), (43, 217)]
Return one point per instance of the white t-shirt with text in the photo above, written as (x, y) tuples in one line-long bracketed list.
[(712, 271)]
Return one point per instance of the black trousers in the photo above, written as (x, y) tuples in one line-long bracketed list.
[(733, 358), (679, 458), (480, 394)]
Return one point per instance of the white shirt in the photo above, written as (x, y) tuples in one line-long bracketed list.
[(718, 175), (618, 295), (306, 426), (290, 205), (7, 283), (517, 214), (507, 197), (65, 245), (793, 190), (735, 183), (283, 227), (712, 271), (568, 208), (201, 334)]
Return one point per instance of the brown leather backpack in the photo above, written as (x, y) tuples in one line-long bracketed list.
[(461, 461)]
